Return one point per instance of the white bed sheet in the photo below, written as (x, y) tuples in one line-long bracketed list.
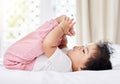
[(50, 77)]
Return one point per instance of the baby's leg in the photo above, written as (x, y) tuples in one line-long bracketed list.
[(24, 52)]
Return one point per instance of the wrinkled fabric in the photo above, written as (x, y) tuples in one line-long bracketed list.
[(22, 54)]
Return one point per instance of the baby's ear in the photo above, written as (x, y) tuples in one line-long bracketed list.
[(79, 69)]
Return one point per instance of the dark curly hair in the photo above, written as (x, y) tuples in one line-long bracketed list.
[(101, 61)]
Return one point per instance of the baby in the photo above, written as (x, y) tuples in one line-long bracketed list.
[(93, 56), (44, 49)]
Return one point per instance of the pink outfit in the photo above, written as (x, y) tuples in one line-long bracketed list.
[(23, 53)]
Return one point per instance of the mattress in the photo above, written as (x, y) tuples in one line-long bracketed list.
[(51, 77), (78, 77)]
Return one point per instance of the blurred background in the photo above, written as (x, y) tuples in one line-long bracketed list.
[(95, 19)]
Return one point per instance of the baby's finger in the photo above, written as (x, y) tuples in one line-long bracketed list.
[(69, 34), (67, 18), (71, 20), (72, 31), (71, 25)]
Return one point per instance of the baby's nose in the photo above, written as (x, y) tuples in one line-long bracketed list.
[(76, 47), (79, 47)]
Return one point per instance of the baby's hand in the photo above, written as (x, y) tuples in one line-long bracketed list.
[(60, 18), (71, 32), (67, 26)]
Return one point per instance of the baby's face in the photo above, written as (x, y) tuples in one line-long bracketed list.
[(79, 55)]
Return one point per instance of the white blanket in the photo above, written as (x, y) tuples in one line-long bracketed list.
[(49, 77), (79, 77)]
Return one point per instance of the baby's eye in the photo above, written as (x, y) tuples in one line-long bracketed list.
[(83, 51)]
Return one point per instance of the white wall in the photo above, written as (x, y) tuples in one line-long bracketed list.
[(46, 10), (1, 27)]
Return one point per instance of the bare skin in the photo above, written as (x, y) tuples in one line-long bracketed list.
[(79, 55), (50, 41)]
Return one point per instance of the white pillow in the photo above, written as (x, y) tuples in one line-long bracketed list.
[(115, 56)]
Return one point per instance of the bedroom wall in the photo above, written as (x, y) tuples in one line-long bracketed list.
[(1, 28), (17, 22), (0, 23), (24, 16)]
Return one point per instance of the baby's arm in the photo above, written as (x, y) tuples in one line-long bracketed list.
[(63, 43), (51, 40)]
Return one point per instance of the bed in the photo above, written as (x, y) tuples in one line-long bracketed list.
[(51, 77)]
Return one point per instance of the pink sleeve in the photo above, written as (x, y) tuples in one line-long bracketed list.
[(25, 51)]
